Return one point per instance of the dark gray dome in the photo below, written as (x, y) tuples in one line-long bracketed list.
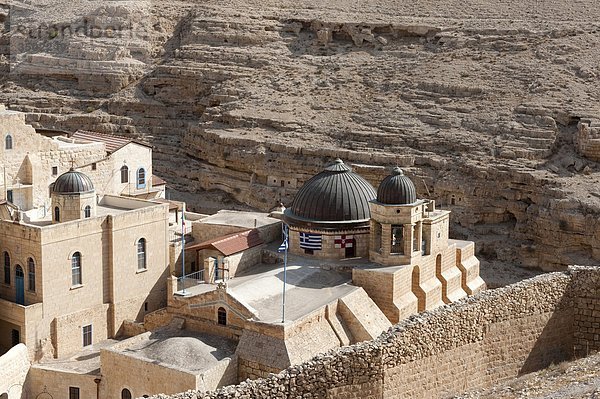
[(335, 195), (72, 182), (397, 189)]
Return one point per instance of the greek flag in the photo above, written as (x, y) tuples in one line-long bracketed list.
[(284, 245), (310, 241)]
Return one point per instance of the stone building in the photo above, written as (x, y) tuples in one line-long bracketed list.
[(71, 279), (329, 217), (30, 162), (81, 250), (88, 256), (337, 214)]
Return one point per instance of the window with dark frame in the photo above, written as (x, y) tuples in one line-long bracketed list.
[(73, 392), (124, 174), (87, 211), (31, 274), (6, 268), (222, 316), (54, 170), (87, 335), (125, 394), (8, 142)]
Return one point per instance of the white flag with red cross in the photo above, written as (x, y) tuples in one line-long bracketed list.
[(344, 241)]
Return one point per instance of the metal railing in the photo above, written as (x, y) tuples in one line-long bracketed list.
[(190, 280)]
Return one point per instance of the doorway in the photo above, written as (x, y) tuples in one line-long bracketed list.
[(351, 249), (20, 285)]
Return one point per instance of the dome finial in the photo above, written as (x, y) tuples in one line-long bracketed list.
[(338, 166), (397, 171)]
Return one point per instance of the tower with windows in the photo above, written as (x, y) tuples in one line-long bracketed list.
[(73, 197)]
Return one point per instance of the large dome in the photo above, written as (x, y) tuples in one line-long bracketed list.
[(73, 182), (336, 196), (396, 189)]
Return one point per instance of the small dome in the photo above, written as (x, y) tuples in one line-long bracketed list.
[(73, 182), (335, 195), (397, 189)]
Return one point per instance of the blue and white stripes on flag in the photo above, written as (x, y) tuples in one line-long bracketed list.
[(284, 245), (310, 241)]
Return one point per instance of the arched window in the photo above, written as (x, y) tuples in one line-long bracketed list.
[(141, 253), (31, 274), (56, 214), (141, 178), (8, 142), (87, 211), (125, 394), (222, 316), (6, 268), (124, 174), (76, 269)]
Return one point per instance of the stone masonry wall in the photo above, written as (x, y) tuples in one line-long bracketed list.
[(587, 310), (466, 345), (14, 366)]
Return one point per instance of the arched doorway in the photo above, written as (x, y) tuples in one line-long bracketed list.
[(20, 285)]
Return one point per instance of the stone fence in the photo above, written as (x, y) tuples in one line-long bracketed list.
[(470, 344)]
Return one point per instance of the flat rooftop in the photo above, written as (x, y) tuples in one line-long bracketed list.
[(240, 219), (101, 210), (182, 349), (86, 361), (310, 284)]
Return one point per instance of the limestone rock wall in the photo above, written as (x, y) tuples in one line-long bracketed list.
[(481, 109), (470, 344)]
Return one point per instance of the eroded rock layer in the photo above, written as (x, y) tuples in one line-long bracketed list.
[(491, 108)]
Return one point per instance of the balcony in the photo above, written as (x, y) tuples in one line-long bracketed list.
[(20, 315)]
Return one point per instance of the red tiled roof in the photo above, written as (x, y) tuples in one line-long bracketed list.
[(231, 243), (111, 142)]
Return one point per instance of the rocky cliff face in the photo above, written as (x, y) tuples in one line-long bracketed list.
[(491, 108)]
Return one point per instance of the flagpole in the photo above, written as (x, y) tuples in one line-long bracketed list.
[(183, 247), (285, 241)]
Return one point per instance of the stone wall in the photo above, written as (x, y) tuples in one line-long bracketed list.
[(14, 366), (587, 311), (470, 344)]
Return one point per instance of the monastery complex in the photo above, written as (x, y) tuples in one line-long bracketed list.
[(109, 290)]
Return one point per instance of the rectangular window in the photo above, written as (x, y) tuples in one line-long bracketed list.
[(87, 335), (73, 392), (9, 196), (54, 170), (94, 166)]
